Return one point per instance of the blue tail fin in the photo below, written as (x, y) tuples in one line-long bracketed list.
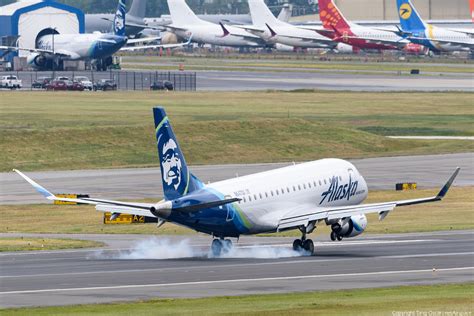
[(409, 17), (119, 20), (177, 180)]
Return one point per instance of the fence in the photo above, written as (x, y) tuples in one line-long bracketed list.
[(125, 80)]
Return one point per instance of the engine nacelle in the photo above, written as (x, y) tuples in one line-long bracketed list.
[(169, 38), (342, 48), (351, 228)]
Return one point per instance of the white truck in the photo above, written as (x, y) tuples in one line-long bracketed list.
[(10, 82)]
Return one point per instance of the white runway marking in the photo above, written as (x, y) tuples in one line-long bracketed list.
[(346, 275)]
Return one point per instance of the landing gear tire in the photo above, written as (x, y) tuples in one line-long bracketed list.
[(216, 247), (339, 238), (297, 245), (227, 245), (308, 245), (333, 236)]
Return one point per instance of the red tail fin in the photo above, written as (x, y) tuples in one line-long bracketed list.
[(330, 16)]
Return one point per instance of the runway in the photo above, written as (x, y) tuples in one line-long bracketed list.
[(429, 171), (94, 276), (260, 80)]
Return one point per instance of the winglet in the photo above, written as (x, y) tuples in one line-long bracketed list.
[(224, 29), (272, 32), (446, 187), (37, 187)]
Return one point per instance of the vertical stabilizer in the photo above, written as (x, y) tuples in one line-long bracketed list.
[(331, 17), (285, 13), (138, 9), (410, 20), (119, 20), (181, 13), (176, 177), (261, 14)]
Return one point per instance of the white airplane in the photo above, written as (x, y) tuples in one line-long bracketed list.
[(435, 38), (275, 31), (302, 196), (55, 48), (186, 24)]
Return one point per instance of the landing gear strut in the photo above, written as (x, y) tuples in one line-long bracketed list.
[(303, 243), (220, 246)]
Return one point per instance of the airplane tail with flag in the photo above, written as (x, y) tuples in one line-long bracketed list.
[(177, 179), (119, 20), (331, 16), (410, 20)]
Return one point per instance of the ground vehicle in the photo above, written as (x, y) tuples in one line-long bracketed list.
[(85, 82), (162, 85), (105, 85), (57, 85), (41, 82), (75, 86), (10, 82)]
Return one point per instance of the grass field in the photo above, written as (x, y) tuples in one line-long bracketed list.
[(385, 301), (44, 131), (27, 244), (454, 212)]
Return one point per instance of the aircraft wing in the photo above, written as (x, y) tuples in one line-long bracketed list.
[(469, 45), (303, 215), (465, 31), (175, 28), (61, 53), (143, 39), (165, 46), (250, 28), (133, 208)]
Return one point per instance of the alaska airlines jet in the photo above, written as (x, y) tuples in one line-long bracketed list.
[(302, 196), (274, 31), (435, 38), (340, 30), (186, 24)]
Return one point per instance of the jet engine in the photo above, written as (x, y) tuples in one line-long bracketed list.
[(37, 60), (352, 227), (342, 48)]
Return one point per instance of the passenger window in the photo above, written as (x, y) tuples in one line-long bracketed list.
[(309, 185), (304, 186), (282, 191), (277, 192), (294, 188), (320, 182), (261, 197), (315, 185), (255, 197), (299, 187), (250, 198), (244, 199), (266, 194), (288, 190), (324, 181), (272, 193)]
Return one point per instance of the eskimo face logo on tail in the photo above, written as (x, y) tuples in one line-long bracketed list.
[(337, 192), (405, 11), (119, 22), (171, 162)]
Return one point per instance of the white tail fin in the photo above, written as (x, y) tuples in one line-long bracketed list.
[(261, 14), (181, 13), (138, 9)]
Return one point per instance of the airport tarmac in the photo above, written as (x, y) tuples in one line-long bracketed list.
[(429, 171), (97, 276), (253, 80), (233, 80)]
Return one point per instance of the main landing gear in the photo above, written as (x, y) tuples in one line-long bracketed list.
[(335, 236), (220, 246), (303, 243)]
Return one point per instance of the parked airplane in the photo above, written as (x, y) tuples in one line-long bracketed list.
[(186, 23), (336, 27), (53, 49), (103, 22), (435, 38), (327, 191), (272, 30)]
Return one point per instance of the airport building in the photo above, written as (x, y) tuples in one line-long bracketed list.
[(26, 21)]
